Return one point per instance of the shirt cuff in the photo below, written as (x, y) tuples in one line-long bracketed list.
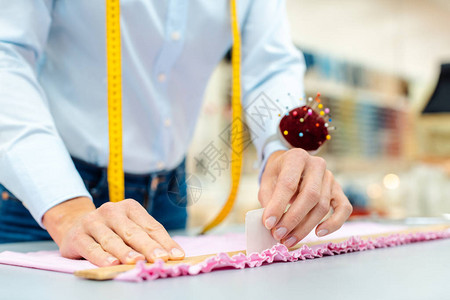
[(268, 150), (40, 172)]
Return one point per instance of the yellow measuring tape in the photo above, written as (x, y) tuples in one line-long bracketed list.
[(236, 125), (115, 168), (114, 68)]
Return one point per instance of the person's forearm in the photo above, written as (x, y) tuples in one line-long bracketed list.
[(61, 217), (35, 163)]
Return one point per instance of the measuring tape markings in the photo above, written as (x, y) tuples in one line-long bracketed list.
[(115, 167), (114, 73)]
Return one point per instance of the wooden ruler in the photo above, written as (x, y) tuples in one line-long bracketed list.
[(108, 273)]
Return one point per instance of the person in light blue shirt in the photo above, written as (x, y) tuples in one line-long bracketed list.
[(54, 134)]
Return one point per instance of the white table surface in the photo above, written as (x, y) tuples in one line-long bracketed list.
[(414, 271)]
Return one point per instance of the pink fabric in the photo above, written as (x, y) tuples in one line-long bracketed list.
[(194, 246), (207, 244), (278, 253), (44, 260)]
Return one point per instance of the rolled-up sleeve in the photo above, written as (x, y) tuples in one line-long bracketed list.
[(34, 162), (273, 72)]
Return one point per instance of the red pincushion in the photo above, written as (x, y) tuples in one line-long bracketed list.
[(313, 130)]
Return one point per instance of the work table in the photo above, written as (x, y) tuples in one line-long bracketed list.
[(414, 271)]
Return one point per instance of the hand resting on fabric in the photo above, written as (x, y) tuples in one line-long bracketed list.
[(297, 178), (114, 233)]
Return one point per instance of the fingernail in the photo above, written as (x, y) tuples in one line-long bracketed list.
[(279, 233), (322, 232), (270, 222), (177, 253), (290, 241), (160, 253), (132, 255), (112, 260)]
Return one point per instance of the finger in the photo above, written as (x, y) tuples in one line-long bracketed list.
[(112, 243), (308, 197), (290, 169), (88, 248), (269, 179), (136, 237), (267, 186), (115, 217), (302, 229), (342, 211), (156, 231)]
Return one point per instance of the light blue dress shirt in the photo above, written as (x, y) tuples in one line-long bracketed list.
[(53, 101)]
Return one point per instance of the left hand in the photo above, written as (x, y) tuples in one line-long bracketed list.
[(295, 177)]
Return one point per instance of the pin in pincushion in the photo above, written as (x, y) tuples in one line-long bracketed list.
[(303, 127)]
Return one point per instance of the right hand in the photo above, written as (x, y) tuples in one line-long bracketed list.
[(114, 233)]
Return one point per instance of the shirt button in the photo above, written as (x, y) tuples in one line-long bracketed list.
[(175, 36), (167, 122), (160, 165), (162, 77)]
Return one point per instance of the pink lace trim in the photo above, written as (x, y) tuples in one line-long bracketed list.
[(278, 253)]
